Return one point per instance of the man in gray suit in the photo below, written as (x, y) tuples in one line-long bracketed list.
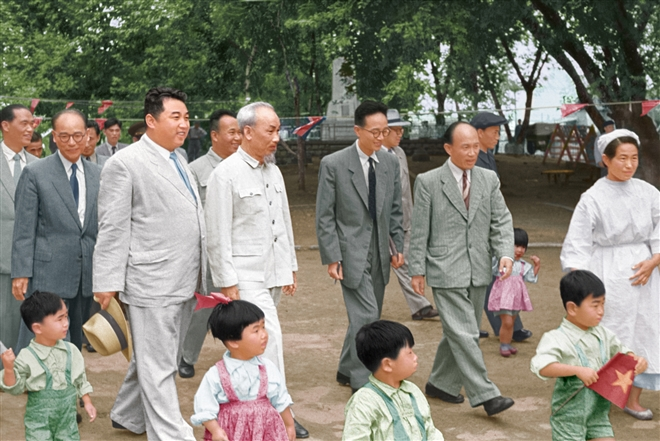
[(93, 136), (225, 140), (16, 124), (151, 250), (419, 306), (459, 217), (112, 131), (56, 225), (358, 210)]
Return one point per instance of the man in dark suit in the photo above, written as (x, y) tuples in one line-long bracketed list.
[(358, 209), (56, 224), (112, 131)]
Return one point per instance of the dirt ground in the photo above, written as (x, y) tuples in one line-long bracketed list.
[(314, 323)]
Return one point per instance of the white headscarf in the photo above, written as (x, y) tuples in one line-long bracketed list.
[(604, 140)]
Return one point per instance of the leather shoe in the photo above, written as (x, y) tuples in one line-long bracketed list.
[(426, 312), (78, 418), (483, 334), (521, 335), (301, 432), (434, 392), (497, 405), (186, 370), (117, 426), (90, 348), (342, 379), (643, 415)]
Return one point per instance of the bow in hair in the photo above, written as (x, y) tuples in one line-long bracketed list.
[(211, 300)]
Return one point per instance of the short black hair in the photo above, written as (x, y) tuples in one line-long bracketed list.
[(36, 136), (91, 124), (381, 339), (153, 101), (227, 322), (38, 306), (448, 137), (578, 285), (7, 113), (66, 111), (214, 120), (610, 150), (111, 122), (520, 237), (368, 108)]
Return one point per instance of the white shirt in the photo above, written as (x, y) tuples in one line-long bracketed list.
[(164, 153), (364, 160), (9, 154), (458, 175), (80, 175)]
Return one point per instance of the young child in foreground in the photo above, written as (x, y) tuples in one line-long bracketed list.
[(51, 369), (243, 397), (573, 353), (509, 296), (388, 407)]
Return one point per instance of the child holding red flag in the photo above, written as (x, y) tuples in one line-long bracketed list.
[(573, 353)]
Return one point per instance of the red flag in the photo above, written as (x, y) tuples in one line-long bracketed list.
[(69, 104), (303, 131), (36, 121), (615, 379), (647, 106), (567, 109), (105, 105), (211, 300), (100, 122), (33, 104)]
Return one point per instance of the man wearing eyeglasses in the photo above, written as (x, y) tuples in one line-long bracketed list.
[(358, 210), (56, 225)]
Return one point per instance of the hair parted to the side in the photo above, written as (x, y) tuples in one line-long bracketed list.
[(61, 113), (381, 339), (368, 108), (448, 137), (112, 121), (520, 237), (153, 101), (91, 124), (578, 285), (227, 321), (38, 306), (610, 150), (7, 113)]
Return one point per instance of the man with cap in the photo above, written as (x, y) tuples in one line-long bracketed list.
[(419, 306), (488, 130), (112, 131)]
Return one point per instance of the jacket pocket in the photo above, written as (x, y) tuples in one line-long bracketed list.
[(146, 257), (437, 251), (249, 192), (43, 256)]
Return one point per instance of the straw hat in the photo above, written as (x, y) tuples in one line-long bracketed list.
[(108, 331)]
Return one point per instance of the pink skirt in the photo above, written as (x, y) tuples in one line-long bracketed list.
[(510, 293)]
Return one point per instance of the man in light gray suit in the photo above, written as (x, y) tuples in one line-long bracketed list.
[(459, 216), (16, 124), (225, 140), (358, 210), (151, 250), (56, 225), (112, 131), (420, 308)]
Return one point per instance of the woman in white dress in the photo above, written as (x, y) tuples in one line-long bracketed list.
[(615, 233)]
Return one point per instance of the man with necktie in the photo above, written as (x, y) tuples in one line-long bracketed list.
[(112, 131)]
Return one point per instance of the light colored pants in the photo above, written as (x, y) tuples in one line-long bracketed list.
[(10, 314)]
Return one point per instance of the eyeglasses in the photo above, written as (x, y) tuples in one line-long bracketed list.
[(376, 133), (397, 130), (65, 137)]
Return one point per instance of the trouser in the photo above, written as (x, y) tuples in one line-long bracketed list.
[(10, 310), (148, 399), (494, 320), (194, 146), (196, 333), (459, 361), (415, 301), (363, 306)]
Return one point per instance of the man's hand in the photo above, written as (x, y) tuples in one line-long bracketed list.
[(19, 288), (506, 266), (397, 261), (335, 271), (290, 290), (418, 284), (104, 298), (231, 292)]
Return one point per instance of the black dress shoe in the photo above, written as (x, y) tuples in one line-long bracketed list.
[(90, 348), (78, 418), (186, 370), (117, 426), (521, 334), (434, 392), (483, 334), (497, 405), (342, 379), (301, 432), (426, 312)]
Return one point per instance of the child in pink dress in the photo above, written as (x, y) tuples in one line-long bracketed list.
[(243, 396), (509, 296)]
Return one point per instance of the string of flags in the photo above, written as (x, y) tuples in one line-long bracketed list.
[(567, 109)]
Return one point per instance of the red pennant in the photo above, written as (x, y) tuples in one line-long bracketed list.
[(303, 131), (647, 106), (567, 109), (615, 379), (105, 105), (100, 122), (36, 121), (211, 300), (69, 104), (33, 104)]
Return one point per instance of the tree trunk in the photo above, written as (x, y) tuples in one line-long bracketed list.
[(301, 162), (439, 95)]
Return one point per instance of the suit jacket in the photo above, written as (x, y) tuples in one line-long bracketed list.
[(201, 169), (343, 223), (7, 192), (406, 193), (152, 238), (50, 246), (106, 150), (450, 245)]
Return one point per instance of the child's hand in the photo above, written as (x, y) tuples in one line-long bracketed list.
[(536, 260), (220, 435), (641, 365), (8, 359), (291, 432), (91, 411), (587, 375)]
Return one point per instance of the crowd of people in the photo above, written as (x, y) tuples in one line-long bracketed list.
[(188, 247)]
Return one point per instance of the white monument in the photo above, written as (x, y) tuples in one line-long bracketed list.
[(341, 109)]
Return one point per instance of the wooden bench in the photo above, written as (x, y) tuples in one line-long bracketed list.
[(556, 173)]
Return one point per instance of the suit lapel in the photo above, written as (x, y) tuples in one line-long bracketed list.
[(167, 172), (355, 167), (382, 175), (91, 190), (63, 186), (450, 189), (477, 188), (7, 178)]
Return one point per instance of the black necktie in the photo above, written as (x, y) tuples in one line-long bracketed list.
[(114, 150), (74, 183), (372, 190)]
